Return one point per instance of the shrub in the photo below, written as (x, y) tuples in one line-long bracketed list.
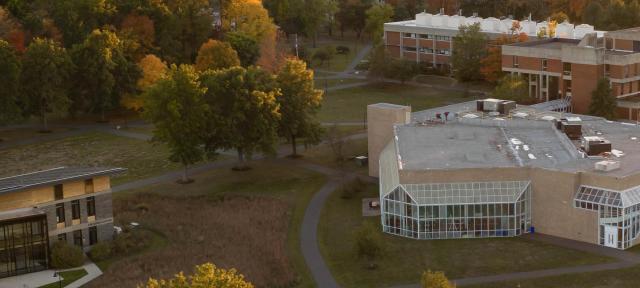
[(131, 242), (435, 279), (65, 256), (101, 251), (351, 189), (368, 242)]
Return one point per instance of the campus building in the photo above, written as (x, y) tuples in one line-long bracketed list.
[(490, 168), (429, 37), (568, 70), (61, 204)]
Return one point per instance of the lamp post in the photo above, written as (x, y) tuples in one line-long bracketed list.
[(57, 274)]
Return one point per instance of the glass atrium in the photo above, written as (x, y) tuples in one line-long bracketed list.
[(23, 246), (458, 210), (618, 214)]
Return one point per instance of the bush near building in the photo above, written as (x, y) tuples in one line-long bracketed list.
[(65, 256)]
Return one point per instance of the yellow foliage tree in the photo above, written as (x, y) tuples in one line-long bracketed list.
[(206, 276), (216, 55), (153, 69), (435, 279)]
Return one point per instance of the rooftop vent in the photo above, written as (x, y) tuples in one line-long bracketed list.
[(607, 165), (571, 126), (495, 105), (595, 145)]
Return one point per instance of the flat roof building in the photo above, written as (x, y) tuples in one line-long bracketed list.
[(60, 204), (493, 169)]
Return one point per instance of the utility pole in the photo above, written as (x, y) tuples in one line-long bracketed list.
[(296, 45)]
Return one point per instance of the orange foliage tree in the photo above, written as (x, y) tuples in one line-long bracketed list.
[(140, 28), (492, 64)]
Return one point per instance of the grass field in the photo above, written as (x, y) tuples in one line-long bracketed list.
[(246, 220), (67, 278), (141, 158), (338, 62), (12, 135), (405, 259), (324, 155), (351, 104)]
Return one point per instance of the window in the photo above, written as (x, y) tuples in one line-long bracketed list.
[(544, 64), (75, 209), (77, 238), (88, 186), (442, 51), (607, 69), (626, 71), (93, 235), (91, 206), (608, 43), (62, 237), (60, 213), (442, 38), (57, 191), (426, 50), (566, 68), (409, 49), (426, 36), (515, 61), (409, 35)]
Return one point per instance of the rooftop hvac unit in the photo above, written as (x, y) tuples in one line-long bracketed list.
[(573, 130), (491, 104), (607, 165), (594, 145), (505, 107)]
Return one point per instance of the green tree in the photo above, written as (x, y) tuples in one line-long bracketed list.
[(206, 275), (377, 15), (402, 69), (469, 48), (299, 103), (183, 29), (77, 18), (94, 60), (176, 107), (603, 104), (352, 15), (592, 14), (368, 242), (10, 68), (513, 87), (435, 279), (247, 47), (215, 55), (379, 62), (244, 112), (46, 70), (316, 14), (325, 54)]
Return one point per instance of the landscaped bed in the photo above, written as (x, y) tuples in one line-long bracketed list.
[(244, 220), (141, 158), (404, 259), (349, 105)]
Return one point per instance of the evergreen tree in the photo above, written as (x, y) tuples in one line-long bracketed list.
[(603, 104)]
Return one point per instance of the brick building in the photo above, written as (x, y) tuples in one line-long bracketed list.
[(61, 204)]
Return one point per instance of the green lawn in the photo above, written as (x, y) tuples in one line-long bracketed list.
[(12, 135), (339, 62), (351, 104), (68, 277), (141, 158), (623, 278), (324, 154), (328, 83), (268, 190), (405, 259)]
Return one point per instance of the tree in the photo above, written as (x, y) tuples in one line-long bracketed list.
[(10, 68), (215, 55), (469, 48), (352, 14), (402, 69), (77, 18), (435, 279), (491, 67), (244, 111), (316, 13), (513, 87), (377, 15), (153, 69), (368, 242), (94, 60), (325, 54), (247, 47), (46, 70), (206, 275), (379, 62), (603, 104), (186, 25), (140, 28), (299, 102), (559, 17), (178, 110), (592, 14)]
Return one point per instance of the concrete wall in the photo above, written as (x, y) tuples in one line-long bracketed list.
[(381, 118)]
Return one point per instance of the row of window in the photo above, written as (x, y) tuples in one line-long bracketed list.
[(58, 191), (425, 50), (77, 236), (75, 210), (427, 36)]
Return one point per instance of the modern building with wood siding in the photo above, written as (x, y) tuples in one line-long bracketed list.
[(61, 204)]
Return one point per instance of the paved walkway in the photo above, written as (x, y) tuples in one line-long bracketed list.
[(37, 279), (625, 259)]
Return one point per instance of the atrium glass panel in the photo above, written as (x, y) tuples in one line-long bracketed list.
[(23, 246)]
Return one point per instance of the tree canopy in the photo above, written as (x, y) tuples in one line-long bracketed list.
[(435, 279), (513, 87), (206, 275), (247, 47), (377, 15), (603, 103), (10, 68), (469, 48), (215, 55)]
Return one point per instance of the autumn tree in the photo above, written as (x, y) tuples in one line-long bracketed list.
[(244, 111), (10, 68), (469, 48), (247, 47), (435, 279), (491, 67), (603, 103), (299, 102), (513, 87), (368, 243), (215, 55), (206, 275), (153, 69), (178, 111), (139, 28), (377, 15), (46, 70)]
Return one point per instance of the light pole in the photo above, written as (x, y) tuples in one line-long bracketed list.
[(57, 274)]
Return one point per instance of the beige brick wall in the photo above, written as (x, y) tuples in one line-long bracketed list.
[(380, 121)]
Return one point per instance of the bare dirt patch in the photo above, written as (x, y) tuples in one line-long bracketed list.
[(242, 232)]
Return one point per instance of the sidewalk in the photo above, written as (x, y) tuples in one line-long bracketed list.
[(37, 279)]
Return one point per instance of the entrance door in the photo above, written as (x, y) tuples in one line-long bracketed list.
[(611, 236)]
